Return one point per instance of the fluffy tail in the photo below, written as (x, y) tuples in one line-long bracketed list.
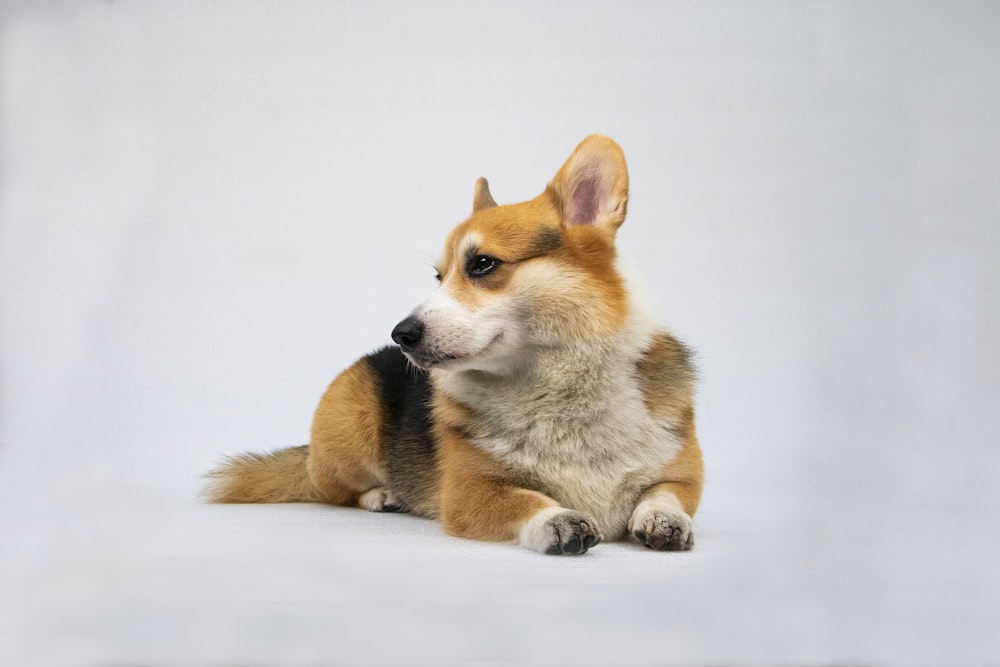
[(278, 477)]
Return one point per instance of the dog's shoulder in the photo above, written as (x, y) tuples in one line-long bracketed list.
[(667, 377)]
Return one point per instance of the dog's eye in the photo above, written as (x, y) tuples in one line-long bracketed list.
[(482, 265), (437, 276)]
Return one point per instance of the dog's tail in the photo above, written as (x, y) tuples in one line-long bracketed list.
[(278, 477)]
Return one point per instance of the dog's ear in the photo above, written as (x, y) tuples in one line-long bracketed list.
[(482, 197), (592, 187)]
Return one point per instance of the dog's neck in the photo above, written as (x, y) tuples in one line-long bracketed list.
[(573, 375)]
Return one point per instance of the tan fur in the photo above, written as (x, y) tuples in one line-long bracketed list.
[(590, 251), (341, 462), (346, 443), (668, 387), (482, 198), (684, 476), (279, 477), (479, 498), (667, 382), (511, 233)]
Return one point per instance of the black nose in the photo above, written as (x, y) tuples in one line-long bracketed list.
[(408, 333)]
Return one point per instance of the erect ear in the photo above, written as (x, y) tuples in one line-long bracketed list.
[(482, 197), (592, 187)]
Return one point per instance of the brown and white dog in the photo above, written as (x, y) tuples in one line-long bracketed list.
[(531, 398)]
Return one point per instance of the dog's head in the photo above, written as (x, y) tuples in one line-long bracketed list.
[(525, 276)]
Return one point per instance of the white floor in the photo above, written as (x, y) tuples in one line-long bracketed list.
[(127, 578), (207, 210)]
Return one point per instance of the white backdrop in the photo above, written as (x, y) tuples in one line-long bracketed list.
[(208, 209)]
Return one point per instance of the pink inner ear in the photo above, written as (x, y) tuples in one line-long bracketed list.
[(584, 203)]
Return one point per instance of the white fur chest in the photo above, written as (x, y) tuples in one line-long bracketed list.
[(586, 440)]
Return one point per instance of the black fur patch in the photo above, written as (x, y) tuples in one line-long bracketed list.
[(548, 240), (408, 449)]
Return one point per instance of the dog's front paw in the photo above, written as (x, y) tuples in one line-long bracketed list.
[(664, 530), (556, 530)]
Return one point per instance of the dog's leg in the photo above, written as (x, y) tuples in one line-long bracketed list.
[(662, 517), (345, 448), (480, 501)]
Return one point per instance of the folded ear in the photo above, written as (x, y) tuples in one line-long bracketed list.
[(592, 187), (482, 197)]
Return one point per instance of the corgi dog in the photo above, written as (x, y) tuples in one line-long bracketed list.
[(531, 399)]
